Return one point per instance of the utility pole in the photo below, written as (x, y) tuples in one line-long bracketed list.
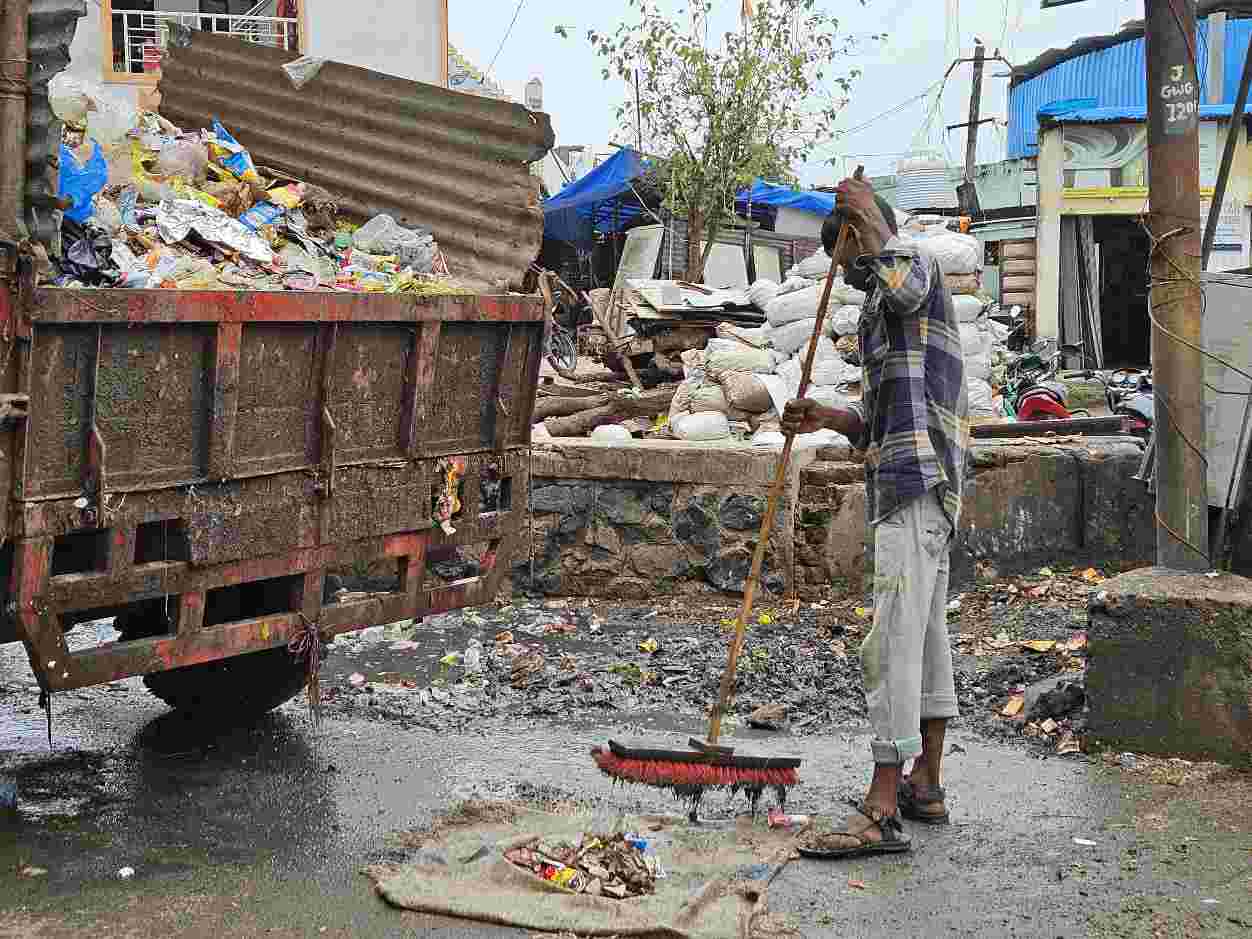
[(1175, 298), (969, 193)]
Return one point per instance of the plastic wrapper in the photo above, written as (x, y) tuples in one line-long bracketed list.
[(260, 215), (81, 180), (290, 196), (231, 155), (177, 218)]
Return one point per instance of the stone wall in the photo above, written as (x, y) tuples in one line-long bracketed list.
[(645, 521), (661, 518)]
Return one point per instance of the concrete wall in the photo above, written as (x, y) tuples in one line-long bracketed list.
[(406, 38), (668, 518), (796, 222)]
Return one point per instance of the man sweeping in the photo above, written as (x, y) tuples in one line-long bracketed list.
[(913, 424)]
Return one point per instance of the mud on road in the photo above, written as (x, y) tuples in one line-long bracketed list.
[(263, 831)]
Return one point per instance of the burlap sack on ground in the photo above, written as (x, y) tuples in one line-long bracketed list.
[(715, 889), (744, 390)]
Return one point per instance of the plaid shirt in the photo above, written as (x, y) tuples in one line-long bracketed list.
[(915, 408)]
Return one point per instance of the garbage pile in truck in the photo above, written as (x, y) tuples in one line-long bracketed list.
[(151, 205), (744, 377)]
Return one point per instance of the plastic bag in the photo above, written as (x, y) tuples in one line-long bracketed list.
[(825, 350), (81, 181), (836, 372), (814, 266), (185, 158), (846, 321), (303, 70), (110, 120), (758, 338), (791, 336), (611, 433), (69, 99), (107, 215), (377, 236), (800, 305), (704, 394), (956, 253), (744, 391), (981, 399), (792, 284), (761, 293), (727, 354), (701, 425), (693, 364), (967, 308)]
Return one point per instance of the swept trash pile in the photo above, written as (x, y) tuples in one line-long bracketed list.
[(746, 376), (1019, 644), (149, 205), (616, 866)]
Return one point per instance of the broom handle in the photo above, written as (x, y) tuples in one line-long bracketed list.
[(775, 496)]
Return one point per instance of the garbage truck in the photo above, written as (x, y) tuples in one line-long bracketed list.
[(208, 467)]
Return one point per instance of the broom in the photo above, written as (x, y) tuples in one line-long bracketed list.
[(688, 773)]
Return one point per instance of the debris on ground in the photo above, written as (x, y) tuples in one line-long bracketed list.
[(769, 717), (616, 866)]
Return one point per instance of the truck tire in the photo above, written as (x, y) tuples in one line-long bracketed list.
[(237, 688), (244, 686)]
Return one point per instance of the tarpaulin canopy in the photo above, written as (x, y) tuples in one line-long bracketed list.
[(763, 193), (595, 202)]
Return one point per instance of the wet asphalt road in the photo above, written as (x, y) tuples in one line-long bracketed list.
[(263, 831)]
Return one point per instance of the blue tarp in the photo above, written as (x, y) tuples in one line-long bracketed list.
[(763, 193), (589, 205)]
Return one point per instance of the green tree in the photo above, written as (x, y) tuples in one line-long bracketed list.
[(720, 114)]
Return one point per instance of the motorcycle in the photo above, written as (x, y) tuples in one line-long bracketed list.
[(1033, 390), (1129, 394)]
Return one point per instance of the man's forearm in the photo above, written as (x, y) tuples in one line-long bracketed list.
[(844, 422)]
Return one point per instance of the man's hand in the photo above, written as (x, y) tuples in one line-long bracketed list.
[(803, 416), (855, 198)]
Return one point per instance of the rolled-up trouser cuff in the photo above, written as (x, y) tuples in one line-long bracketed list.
[(939, 707), (895, 752)]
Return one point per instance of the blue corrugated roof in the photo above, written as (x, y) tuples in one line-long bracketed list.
[(1116, 78), (1208, 112)]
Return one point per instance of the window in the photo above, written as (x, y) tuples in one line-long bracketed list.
[(136, 32)]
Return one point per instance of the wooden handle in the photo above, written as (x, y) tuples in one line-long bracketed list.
[(775, 496)]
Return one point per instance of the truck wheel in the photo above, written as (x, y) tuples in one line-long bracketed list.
[(241, 687)]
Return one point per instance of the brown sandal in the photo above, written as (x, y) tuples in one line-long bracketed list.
[(894, 839), (925, 804)]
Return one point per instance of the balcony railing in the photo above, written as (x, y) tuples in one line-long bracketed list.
[(140, 38)]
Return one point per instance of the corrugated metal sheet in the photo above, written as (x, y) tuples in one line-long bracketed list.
[(52, 26), (1112, 72), (1208, 112), (454, 164)]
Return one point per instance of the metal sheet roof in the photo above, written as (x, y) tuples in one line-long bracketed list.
[(1208, 112), (1110, 70), (454, 164), (52, 25)]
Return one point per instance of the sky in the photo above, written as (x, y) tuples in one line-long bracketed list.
[(918, 50)]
